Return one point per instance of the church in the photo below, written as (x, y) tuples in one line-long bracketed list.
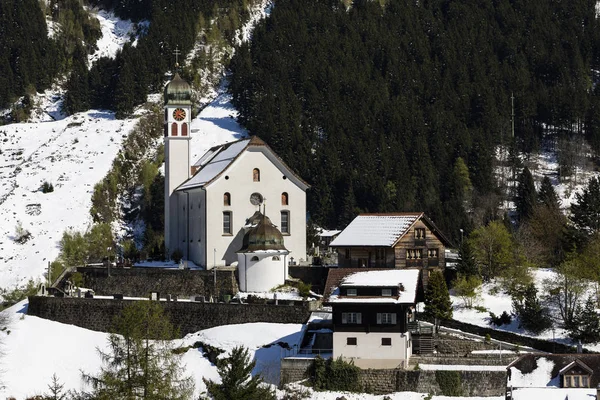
[(210, 205)]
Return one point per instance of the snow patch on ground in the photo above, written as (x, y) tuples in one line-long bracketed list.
[(115, 34), (539, 377)]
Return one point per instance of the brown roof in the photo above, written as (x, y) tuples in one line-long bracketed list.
[(527, 363), (335, 276)]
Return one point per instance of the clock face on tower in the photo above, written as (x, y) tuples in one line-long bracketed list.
[(179, 114)]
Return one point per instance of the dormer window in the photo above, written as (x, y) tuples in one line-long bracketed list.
[(386, 292), (351, 292)]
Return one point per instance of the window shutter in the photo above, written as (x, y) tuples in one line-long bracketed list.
[(358, 318), (344, 318), (393, 318), (379, 318)]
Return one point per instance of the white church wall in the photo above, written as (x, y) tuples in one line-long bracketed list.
[(238, 181)]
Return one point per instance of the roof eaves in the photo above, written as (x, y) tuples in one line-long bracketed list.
[(418, 217)]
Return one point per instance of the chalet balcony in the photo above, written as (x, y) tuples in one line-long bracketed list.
[(419, 242), (415, 262), (433, 262)]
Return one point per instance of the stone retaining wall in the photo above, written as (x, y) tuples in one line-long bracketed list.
[(139, 282), (189, 317), (382, 381)]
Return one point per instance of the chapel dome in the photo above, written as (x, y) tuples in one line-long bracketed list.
[(263, 236), (178, 91)]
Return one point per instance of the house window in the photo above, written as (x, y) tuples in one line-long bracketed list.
[(256, 175), (284, 199), (184, 129), (350, 292), (285, 222), (347, 255), (174, 129), (584, 381), (351, 318), (227, 199), (414, 254), (380, 254), (386, 341), (386, 318), (227, 222), (255, 258), (420, 233), (576, 381), (351, 341), (386, 292), (567, 381)]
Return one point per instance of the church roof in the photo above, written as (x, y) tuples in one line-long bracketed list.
[(264, 236), (383, 230), (219, 158), (178, 91)]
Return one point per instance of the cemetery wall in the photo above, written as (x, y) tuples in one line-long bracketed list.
[(140, 282), (189, 317)]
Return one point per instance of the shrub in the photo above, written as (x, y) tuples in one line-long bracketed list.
[(449, 382), (22, 235), (480, 309), (18, 293), (502, 319), (304, 289), (177, 255), (336, 374), (488, 338), (47, 187)]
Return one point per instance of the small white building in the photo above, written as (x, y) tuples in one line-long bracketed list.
[(371, 311), (208, 203)]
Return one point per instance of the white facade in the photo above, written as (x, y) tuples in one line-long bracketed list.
[(221, 189), (368, 352), (262, 271)]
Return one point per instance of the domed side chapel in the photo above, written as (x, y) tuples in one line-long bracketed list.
[(213, 207)]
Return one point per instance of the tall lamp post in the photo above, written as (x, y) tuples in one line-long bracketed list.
[(461, 235)]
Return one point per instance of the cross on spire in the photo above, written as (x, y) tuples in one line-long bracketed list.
[(177, 53)]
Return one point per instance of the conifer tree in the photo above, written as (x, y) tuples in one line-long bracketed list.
[(533, 316), (237, 382), (467, 264), (547, 195), (437, 298), (140, 362), (585, 211), (526, 197), (586, 326)]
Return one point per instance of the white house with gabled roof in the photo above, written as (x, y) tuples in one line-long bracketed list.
[(370, 312), (208, 203)]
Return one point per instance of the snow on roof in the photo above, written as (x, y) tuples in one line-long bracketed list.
[(387, 278), (453, 367), (213, 162), (375, 229), (328, 233), (554, 394), (541, 376)]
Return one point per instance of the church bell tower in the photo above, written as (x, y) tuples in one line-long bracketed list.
[(178, 107)]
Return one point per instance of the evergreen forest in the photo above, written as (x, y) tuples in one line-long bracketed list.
[(399, 105)]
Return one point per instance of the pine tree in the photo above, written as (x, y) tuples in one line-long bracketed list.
[(236, 380), (140, 362), (586, 326), (547, 195), (56, 390), (532, 315), (437, 298), (526, 197), (585, 211), (467, 265)]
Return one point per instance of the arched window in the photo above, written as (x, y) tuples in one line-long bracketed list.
[(255, 258), (284, 199), (174, 129), (276, 258), (227, 199), (184, 129), (256, 175)]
